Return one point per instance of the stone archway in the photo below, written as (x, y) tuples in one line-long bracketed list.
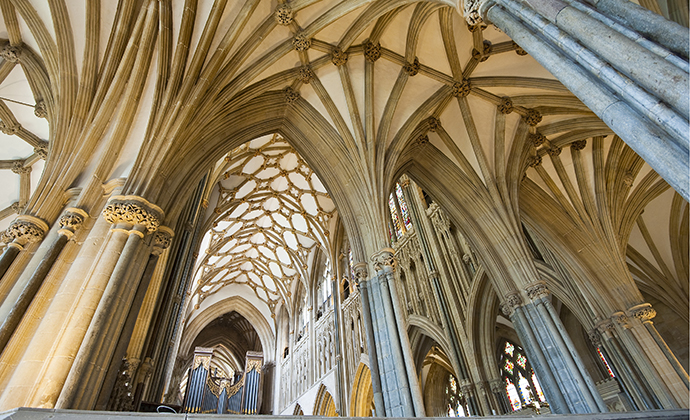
[(362, 397), (324, 404)]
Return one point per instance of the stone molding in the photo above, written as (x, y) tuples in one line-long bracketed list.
[(162, 240), (537, 291), (511, 302), (133, 210), (27, 229), (384, 258), (71, 220)]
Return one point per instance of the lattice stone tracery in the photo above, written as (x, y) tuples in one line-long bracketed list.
[(273, 215)]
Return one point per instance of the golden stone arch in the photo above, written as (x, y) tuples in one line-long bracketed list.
[(362, 397), (324, 405)]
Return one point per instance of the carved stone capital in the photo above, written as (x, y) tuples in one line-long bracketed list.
[(162, 240), (578, 145), (384, 259), (532, 117), (71, 220), (621, 319), (10, 53), (283, 15), (594, 337), (506, 105), (290, 95), (372, 52), (644, 312), (27, 229), (462, 88), (361, 272), (537, 291), (510, 302), (301, 42), (133, 210), (412, 68), (339, 57), (40, 109)]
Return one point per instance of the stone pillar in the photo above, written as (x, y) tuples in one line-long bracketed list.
[(24, 230), (384, 262), (162, 239), (70, 221), (603, 79), (361, 276), (135, 217)]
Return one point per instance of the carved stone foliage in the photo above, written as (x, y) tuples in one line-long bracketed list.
[(339, 57), (533, 117), (470, 11), (537, 291), (41, 152), (133, 210), (594, 337), (27, 229), (643, 312), (578, 145), (372, 52), (301, 42), (19, 168), (510, 303), (412, 68), (461, 89), (10, 53), (537, 139), (290, 95), (384, 259), (534, 161), (434, 125), (71, 220), (40, 109), (9, 128), (283, 15), (162, 240), (506, 106), (422, 140), (306, 74), (361, 272), (554, 151)]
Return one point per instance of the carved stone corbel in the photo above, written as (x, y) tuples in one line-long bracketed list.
[(644, 312), (26, 229), (133, 210), (384, 259), (162, 240), (511, 302), (71, 220)]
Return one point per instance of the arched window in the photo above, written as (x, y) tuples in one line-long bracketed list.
[(325, 291), (456, 403), (400, 216), (521, 384)]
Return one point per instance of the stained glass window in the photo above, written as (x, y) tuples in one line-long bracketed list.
[(513, 395), (521, 360), (509, 366), (603, 359), (403, 206), (521, 384), (394, 216), (537, 388), (456, 401)]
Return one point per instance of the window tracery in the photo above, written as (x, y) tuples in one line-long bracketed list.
[(520, 382)]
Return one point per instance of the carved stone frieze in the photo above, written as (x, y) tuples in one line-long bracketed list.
[(578, 145), (290, 95), (283, 15), (506, 105), (27, 229), (532, 117), (461, 89), (162, 240), (510, 302), (10, 53), (301, 42), (372, 52), (537, 291), (339, 57), (412, 68), (384, 258), (133, 210)]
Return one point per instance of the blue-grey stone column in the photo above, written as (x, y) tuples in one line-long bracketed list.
[(361, 276), (638, 118)]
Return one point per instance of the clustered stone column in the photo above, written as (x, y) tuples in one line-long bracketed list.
[(70, 221), (634, 81), (132, 219)]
